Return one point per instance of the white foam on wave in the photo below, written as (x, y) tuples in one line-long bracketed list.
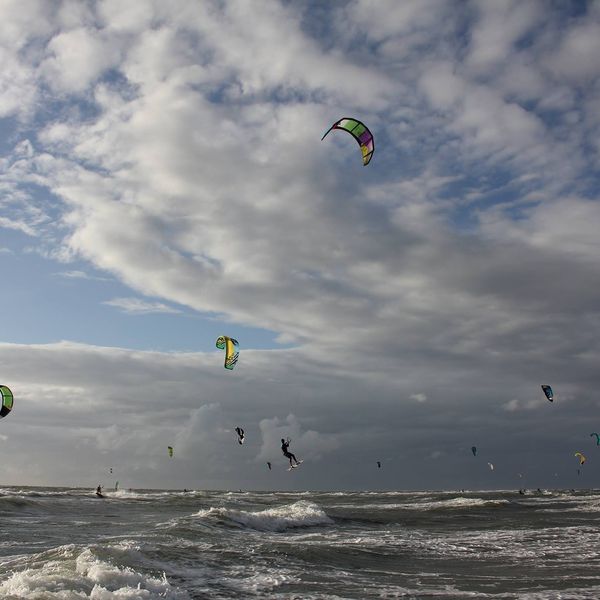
[(71, 572), (589, 503), (266, 580), (460, 502), (35, 493), (125, 494), (299, 514)]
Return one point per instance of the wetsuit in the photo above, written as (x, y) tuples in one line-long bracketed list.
[(284, 449)]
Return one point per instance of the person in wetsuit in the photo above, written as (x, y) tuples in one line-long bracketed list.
[(284, 448), (99, 491)]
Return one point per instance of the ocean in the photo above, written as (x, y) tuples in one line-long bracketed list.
[(61, 543)]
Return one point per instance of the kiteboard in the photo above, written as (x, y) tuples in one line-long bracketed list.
[(296, 465), (99, 495)]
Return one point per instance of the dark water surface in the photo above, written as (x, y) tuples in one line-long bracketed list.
[(66, 543)]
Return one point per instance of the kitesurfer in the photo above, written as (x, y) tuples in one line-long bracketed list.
[(284, 448), (99, 492)]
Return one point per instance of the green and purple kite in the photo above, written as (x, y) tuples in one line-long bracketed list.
[(360, 133)]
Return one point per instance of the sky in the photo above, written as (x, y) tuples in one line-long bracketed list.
[(163, 182)]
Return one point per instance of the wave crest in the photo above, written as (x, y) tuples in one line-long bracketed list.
[(289, 516)]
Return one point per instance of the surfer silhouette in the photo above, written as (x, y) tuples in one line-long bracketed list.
[(284, 448)]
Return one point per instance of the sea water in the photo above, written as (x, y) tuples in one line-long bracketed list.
[(66, 543)]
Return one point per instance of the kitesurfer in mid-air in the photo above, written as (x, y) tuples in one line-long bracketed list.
[(240, 433), (284, 448)]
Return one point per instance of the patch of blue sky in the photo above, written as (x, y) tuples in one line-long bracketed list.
[(468, 196), (8, 135), (39, 197), (574, 8), (51, 109), (46, 301), (80, 107), (226, 92), (317, 21)]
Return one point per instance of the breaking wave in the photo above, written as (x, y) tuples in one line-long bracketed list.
[(290, 516), (84, 574)]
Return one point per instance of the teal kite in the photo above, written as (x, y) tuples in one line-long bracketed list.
[(597, 438), (548, 392), (360, 133)]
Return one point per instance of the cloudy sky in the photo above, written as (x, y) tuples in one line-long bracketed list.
[(163, 182)]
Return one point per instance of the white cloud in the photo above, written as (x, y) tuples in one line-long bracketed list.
[(512, 405), (500, 25), (310, 444), (77, 58), (516, 405), (419, 397), (140, 307), (574, 60), (17, 226), (76, 274), (17, 85)]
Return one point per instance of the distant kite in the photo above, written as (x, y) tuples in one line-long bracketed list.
[(581, 457), (240, 433), (474, 450), (597, 438), (360, 133), (379, 464), (170, 450), (231, 348), (491, 466), (7, 400), (269, 465), (548, 391)]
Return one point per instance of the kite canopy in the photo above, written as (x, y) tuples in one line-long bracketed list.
[(581, 457), (170, 449), (7, 400), (597, 438), (360, 133), (231, 348), (474, 450), (491, 466), (548, 391)]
